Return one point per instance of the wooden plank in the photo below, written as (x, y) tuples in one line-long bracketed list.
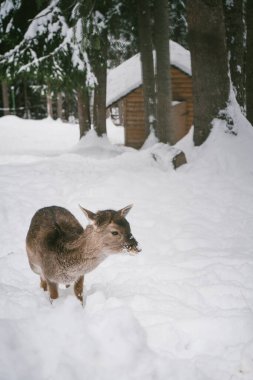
[(132, 111), (136, 126), (136, 138), (135, 123), (135, 131)]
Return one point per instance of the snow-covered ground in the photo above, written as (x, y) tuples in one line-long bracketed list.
[(180, 310)]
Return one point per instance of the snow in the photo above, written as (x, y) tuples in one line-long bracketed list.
[(7, 6), (42, 23), (29, 139), (182, 308), (127, 76), (6, 9)]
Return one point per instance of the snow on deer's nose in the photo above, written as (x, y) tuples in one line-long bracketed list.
[(132, 244)]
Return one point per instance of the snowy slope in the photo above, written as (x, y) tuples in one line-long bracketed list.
[(182, 309)]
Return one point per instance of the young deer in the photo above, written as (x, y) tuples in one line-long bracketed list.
[(61, 251)]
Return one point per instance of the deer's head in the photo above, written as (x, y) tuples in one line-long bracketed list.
[(113, 230)]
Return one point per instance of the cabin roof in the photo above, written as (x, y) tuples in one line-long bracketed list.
[(127, 76)]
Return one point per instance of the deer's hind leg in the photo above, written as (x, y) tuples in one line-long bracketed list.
[(78, 288)]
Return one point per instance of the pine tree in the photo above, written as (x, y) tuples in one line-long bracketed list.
[(207, 43), (98, 55), (177, 22), (52, 48), (249, 61), (236, 42), (147, 62), (165, 129)]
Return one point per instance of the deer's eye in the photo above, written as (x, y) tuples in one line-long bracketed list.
[(115, 233)]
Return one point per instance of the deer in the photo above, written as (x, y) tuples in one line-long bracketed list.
[(61, 251)]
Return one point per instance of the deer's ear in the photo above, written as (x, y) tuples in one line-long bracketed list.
[(124, 211), (89, 214)]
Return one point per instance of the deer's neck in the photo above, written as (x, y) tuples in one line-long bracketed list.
[(78, 256), (87, 250)]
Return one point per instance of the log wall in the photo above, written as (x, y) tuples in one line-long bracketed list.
[(135, 134), (182, 90)]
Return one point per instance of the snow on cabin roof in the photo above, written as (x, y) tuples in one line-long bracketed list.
[(127, 76)]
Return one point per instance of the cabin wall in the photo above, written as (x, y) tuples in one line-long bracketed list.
[(182, 90), (135, 134)]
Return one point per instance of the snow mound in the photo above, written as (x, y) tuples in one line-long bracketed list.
[(116, 134), (150, 141), (163, 154), (66, 342), (94, 146), (228, 151)]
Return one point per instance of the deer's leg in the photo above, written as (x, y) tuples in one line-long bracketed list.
[(78, 288), (43, 284), (53, 290)]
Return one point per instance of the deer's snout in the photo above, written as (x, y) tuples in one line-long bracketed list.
[(132, 245)]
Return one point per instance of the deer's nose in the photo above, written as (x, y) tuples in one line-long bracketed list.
[(132, 244), (131, 240)]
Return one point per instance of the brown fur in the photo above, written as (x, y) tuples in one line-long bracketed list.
[(61, 251)]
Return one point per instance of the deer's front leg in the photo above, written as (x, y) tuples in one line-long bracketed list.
[(78, 288), (43, 284), (53, 290)]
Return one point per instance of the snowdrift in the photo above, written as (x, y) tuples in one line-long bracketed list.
[(180, 310)]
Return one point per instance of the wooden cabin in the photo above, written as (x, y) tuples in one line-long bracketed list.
[(126, 102)]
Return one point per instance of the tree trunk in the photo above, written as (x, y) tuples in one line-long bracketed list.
[(249, 61), (83, 111), (59, 106), (68, 110), (5, 93), (165, 129), (13, 98), (100, 69), (209, 63), (99, 107), (147, 63), (26, 101), (235, 32), (49, 103)]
